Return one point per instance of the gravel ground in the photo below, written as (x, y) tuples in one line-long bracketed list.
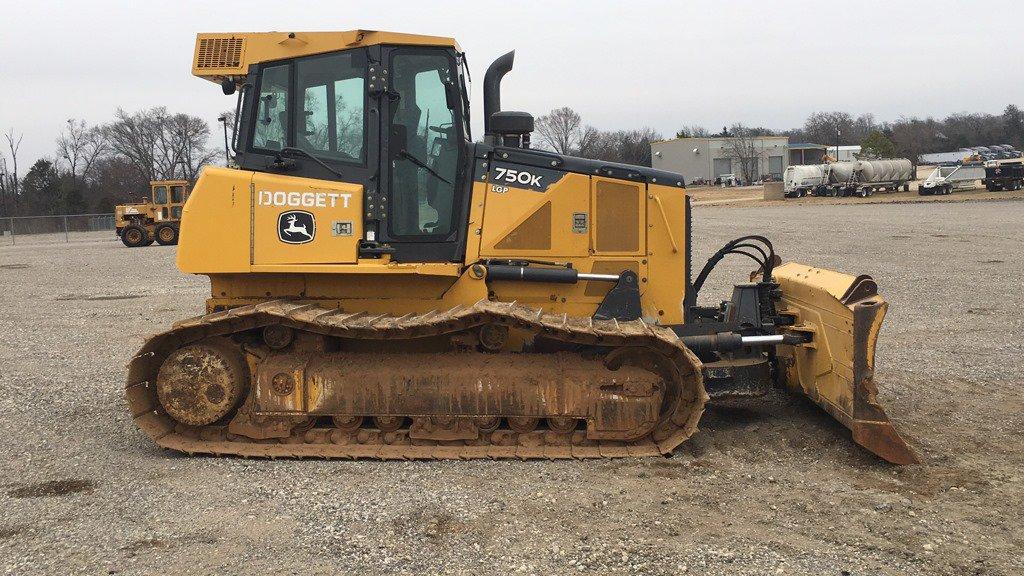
[(768, 487)]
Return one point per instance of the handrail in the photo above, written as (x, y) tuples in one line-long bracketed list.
[(668, 227)]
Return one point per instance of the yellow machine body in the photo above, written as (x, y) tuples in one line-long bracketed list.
[(228, 235), (367, 259)]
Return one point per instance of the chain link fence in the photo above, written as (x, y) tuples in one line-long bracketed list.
[(61, 228)]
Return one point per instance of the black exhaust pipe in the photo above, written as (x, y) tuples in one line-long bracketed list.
[(492, 87)]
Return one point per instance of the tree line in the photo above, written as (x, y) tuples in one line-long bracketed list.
[(906, 137), (563, 130), (95, 167)]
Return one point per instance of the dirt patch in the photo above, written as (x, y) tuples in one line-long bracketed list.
[(431, 522), (133, 548), (99, 298), (10, 531), (52, 488), (935, 480)]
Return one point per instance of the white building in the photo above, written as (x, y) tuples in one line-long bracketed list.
[(844, 153), (710, 158)]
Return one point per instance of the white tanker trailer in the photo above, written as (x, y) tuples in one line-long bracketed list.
[(801, 180), (865, 177)]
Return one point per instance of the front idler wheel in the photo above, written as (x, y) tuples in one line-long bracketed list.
[(202, 383)]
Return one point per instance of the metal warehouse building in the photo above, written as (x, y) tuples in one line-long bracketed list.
[(708, 158)]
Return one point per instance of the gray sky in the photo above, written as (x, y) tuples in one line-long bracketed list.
[(620, 64)]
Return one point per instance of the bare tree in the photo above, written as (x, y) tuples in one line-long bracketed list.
[(862, 127), (829, 128), (562, 131), (626, 146), (161, 145), (9, 182), (80, 146), (743, 148), (133, 137), (914, 137), (591, 141), (189, 137)]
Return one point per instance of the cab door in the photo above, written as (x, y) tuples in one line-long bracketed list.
[(422, 211), (178, 198), (160, 202), (313, 145)]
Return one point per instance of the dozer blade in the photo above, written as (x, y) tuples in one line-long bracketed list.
[(836, 369)]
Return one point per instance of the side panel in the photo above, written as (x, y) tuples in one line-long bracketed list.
[(520, 221), (665, 289), (597, 224), (305, 221), (216, 224)]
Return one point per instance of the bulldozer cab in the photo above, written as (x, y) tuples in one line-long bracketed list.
[(390, 122), (168, 198)]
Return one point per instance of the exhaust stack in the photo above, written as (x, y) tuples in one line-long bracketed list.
[(492, 88)]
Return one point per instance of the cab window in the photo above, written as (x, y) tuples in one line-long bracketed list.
[(177, 194), (424, 147), (332, 121), (272, 109), (160, 195)]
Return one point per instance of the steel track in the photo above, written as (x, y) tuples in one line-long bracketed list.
[(685, 396)]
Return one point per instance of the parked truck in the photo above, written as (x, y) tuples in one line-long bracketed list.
[(854, 178), (946, 178), (801, 180), (1003, 175)]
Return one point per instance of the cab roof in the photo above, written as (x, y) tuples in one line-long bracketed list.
[(229, 54)]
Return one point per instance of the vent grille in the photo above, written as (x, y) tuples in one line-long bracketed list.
[(617, 219), (219, 53)]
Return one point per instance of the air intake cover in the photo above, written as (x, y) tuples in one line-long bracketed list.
[(219, 53)]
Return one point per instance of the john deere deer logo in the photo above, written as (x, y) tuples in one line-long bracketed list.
[(296, 227)]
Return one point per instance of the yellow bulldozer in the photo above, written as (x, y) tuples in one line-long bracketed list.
[(382, 286), (156, 218)]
